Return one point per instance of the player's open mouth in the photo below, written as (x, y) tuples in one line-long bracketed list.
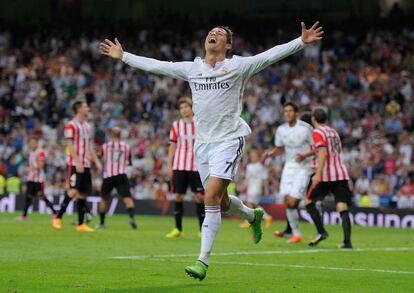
[(212, 41)]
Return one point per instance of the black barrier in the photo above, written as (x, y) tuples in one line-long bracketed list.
[(367, 217)]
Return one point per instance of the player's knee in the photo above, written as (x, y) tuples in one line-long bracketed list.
[(341, 206), (291, 202), (129, 202), (211, 198)]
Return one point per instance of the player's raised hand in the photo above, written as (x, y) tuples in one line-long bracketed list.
[(313, 34), (111, 49)]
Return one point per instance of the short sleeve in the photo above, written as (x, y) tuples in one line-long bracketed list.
[(173, 133), (69, 131), (319, 140), (278, 138)]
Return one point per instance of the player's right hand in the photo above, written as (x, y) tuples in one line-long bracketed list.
[(111, 49), (170, 173)]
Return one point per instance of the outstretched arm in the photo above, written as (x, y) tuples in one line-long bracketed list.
[(258, 62), (172, 69)]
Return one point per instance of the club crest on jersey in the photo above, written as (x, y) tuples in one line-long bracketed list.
[(224, 70)]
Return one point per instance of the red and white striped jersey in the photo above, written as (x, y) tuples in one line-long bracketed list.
[(81, 134), (183, 134), (116, 158), (334, 169), (36, 174)]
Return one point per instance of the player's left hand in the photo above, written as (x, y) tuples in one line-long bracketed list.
[(313, 34), (98, 166)]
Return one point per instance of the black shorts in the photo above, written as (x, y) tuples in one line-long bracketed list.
[(34, 188), (120, 182), (183, 179), (339, 189), (82, 182)]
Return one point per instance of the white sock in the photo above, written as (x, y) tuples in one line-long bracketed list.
[(293, 218), (209, 230), (238, 208), (265, 215)]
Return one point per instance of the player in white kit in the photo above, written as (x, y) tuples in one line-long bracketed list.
[(293, 138), (256, 180), (217, 84)]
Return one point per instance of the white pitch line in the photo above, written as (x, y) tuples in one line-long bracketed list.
[(266, 252), (314, 267)]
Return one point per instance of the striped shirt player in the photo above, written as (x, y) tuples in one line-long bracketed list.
[(181, 165), (331, 176), (182, 135), (117, 157), (35, 178), (334, 169), (80, 133), (80, 149), (36, 174)]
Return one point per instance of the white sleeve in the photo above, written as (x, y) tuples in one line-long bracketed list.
[(278, 138), (265, 174), (254, 64), (177, 70)]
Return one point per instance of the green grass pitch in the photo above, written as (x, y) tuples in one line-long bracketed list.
[(35, 258)]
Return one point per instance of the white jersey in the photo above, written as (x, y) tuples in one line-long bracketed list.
[(217, 92), (295, 140), (256, 174)]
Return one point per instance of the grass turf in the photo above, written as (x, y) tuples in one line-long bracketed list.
[(35, 258)]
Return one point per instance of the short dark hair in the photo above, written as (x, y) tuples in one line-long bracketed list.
[(76, 105), (320, 115), (291, 104), (229, 33), (306, 117)]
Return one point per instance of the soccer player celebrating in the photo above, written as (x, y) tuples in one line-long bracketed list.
[(181, 166), (293, 138), (331, 176), (78, 134), (36, 178), (117, 157), (257, 185), (217, 85)]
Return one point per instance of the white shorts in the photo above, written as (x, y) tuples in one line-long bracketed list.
[(294, 185), (218, 159)]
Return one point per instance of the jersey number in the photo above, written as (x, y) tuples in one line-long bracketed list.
[(120, 154), (335, 144)]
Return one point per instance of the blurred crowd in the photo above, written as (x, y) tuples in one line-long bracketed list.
[(365, 79)]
